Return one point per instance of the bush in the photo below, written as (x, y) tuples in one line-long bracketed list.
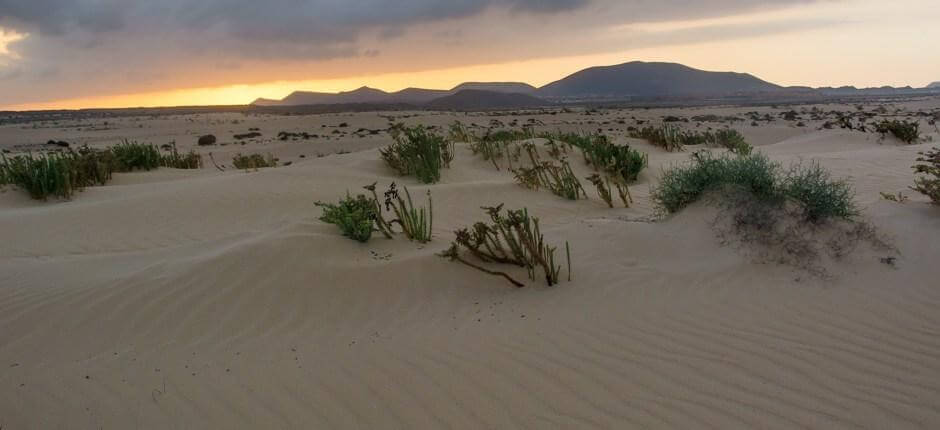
[(59, 174), (41, 176), (206, 140), (514, 238), (418, 152), (811, 187), (620, 161), (253, 161), (130, 156), (354, 216), (820, 196), (907, 132), (666, 136), (928, 185), (733, 141), (191, 160)]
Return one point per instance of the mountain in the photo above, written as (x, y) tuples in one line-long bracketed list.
[(483, 100), (640, 79), (499, 87), (934, 85), (417, 96)]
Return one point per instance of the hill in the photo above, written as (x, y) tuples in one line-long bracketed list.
[(640, 79), (483, 100), (500, 87), (934, 85)]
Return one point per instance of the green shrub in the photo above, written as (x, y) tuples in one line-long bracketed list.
[(928, 185), (174, 160), (620, 161), (43, 176), (514, 238), (732, 140), (253, 161), (354, 216), (129, 156), (811, 187), (907, 132), (666, 136), (418, 152), (819, 195)]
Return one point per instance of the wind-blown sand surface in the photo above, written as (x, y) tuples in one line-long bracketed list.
[(208, 299)]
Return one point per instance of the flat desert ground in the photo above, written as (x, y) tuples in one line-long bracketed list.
[(217, 299)]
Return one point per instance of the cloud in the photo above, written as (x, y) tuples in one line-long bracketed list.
[(119, 46)]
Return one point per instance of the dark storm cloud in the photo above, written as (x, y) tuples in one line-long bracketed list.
[(119, 46)]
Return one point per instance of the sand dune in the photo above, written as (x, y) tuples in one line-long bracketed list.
[(174, 299)]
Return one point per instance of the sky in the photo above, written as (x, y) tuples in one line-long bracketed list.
[(123, 53)]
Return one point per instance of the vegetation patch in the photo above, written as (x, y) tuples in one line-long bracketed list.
[(253, 161), (418, 152), (513, 238), (354, 216), (929, 167), (811, 187), (907, 132)]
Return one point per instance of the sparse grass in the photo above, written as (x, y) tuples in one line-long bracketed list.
[(929, 166), (130, 156), (192, 160), (732, 140), (907, 132), (603, 188), (42, 176), (355, 216), (620, 161), (810, 186), (559, 179), (418, 152), (253, 161), (511, 238), (416, 223), (666, 136)]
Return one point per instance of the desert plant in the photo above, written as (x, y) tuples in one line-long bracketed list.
[(42, 176), (929, 166), (416, 151), (811, 187), (603, 188), (820, 197), (733, 141), (253, 161), (620, 161), (191, 160), (668, 137), (907, 132), (459, 133), (129, 156), (355, 216), (559, 179), (416, 224), (897, 198), (514, 238)]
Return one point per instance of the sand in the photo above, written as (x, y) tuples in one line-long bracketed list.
[(208, 299)]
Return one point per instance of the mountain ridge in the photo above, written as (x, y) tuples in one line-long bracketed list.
[(634, 80)]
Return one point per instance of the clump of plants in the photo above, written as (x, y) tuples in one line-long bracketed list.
[(358, 217), (355, 216), (175, 160), (418, 152), (929, 167), (907, 132), (811, 187), (253, 161), (559, 179), (512, 238), (732, 140), (42, 176), (604, 190), (620, 161), (666, 136), (416, 223), (130, 156)]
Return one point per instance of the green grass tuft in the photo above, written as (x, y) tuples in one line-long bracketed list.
[(418, 152), (353, 215)]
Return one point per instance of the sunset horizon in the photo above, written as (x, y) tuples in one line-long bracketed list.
[(868, 33)]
